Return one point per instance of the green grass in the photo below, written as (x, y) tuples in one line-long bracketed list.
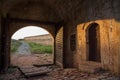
[(14, 45), (38, 48)]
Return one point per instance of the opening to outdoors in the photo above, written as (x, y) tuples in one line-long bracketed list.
[(93, 42), (31, 46)]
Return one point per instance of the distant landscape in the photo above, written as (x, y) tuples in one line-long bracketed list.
[(24, 54), (34, 48)]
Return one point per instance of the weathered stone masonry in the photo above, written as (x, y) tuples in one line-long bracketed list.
[(59, 47), (79, 18), (45, 39), (102, 14)]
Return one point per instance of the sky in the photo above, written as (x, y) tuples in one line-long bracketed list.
[(29, 31)]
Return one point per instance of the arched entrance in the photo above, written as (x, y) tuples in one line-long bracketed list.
[(32, 45), (93, 42)]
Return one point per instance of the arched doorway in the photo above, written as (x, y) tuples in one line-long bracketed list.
[(93, 42), (32, 45)]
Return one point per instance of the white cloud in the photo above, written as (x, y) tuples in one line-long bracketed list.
[(29, 31)]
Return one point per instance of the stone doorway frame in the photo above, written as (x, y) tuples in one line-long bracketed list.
[(96, 56)]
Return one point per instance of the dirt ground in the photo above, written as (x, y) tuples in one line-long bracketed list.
[(59, 74), (30, 59), (55, 73)]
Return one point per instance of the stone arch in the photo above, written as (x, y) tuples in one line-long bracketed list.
[(13, 26), (29, 27), (35, 39), (93, 42), (17, 26)]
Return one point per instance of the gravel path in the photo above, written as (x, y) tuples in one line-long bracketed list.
[(24, 48)]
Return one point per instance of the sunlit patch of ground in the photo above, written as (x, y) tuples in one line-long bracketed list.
[(29, 60)]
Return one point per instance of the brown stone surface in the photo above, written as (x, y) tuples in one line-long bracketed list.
[(59, 48), (31, 59), (40, 39), (59, 74), (77, 16)]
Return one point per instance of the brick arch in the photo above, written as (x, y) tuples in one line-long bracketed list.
[(90, 24), (30, 27), (16, 26), (11, 27)]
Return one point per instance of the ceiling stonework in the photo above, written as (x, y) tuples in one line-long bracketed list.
[(50, 10)]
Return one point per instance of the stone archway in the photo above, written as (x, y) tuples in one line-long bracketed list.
[(93, 42), (15, 24), (25, 38)]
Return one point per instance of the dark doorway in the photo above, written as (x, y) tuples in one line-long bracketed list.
[(94, 43)]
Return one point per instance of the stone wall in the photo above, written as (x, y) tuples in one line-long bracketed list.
[(0, 31), (103, 15), (71, 44), (41, 39), (108, 41), (116, 6), (59, 48)]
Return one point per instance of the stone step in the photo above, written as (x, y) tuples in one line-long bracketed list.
[(34, 71)]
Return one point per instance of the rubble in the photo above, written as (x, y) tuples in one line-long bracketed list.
[(57, 73)]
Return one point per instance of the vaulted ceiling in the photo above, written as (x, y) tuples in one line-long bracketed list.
[(45, 10)]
